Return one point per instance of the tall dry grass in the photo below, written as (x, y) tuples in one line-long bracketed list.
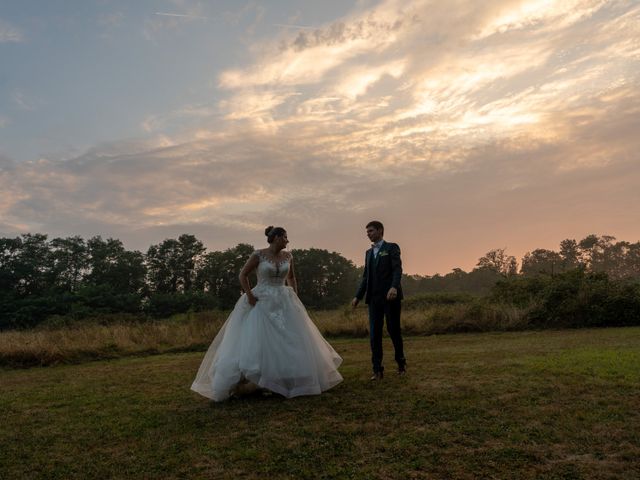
[(428, 320), (194, 331), (92, 341)]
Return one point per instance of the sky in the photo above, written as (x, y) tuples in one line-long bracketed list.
[(462, 125)]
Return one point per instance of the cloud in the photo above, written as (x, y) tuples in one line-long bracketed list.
[(417, 78), (24, 101), (227, 188), (541, 15), (9, 33), (180, 116), (462, 126), (309, 56)]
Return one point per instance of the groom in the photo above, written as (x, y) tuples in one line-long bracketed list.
[(381, 283)]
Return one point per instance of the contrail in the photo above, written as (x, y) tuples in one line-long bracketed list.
[(292, 26), (178, 15)]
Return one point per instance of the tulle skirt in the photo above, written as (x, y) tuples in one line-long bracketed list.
[(274, 345)]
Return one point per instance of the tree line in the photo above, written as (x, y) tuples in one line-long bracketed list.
[(619, 260), (78, 278), (74, 277)]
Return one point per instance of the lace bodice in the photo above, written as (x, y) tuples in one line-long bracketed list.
[(270, 272)]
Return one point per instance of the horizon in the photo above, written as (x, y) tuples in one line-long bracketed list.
[(511, 124), (144, 250)]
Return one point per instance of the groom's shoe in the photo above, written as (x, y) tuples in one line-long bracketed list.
[(377, 376)]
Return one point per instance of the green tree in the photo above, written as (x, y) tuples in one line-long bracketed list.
[(603, 254), (570, 254), (30, 268), (112, 266), (9, 259), (33, 264), (541, 262), (218, 273), (69, 262), (325, 279), (632, 261), (590, 249), (499, 262), (172, 264)]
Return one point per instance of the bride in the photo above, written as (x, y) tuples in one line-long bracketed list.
[(268, 339)]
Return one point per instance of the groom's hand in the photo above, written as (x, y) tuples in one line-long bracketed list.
[(355, 302), (392, 294)]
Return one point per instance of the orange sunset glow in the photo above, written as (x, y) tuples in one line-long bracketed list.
[(463, 126)]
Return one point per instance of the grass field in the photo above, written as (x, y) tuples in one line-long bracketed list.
[(517, 405)]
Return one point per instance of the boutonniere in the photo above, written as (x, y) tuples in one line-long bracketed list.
[(383, 254)]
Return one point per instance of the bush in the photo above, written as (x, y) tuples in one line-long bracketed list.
[(432, 299), (573, 299), (163, 305), (28, 312), (579, 299), (520, 291), (101, 299)]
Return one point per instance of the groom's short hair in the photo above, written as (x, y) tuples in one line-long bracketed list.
[(375, 224)]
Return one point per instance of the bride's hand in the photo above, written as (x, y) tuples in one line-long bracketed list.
[(252, 299)]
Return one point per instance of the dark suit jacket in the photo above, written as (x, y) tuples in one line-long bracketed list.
[(381, 273)]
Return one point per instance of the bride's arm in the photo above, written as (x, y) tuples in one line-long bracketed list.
[(291, 277), (249, 267)]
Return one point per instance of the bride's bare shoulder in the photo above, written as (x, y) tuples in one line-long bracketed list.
[(258, 253)]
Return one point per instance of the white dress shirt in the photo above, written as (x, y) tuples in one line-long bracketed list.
[(376, 247)]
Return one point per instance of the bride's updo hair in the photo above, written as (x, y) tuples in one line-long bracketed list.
[(272, 232)]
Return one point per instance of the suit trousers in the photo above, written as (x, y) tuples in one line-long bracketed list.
[(379, 309)]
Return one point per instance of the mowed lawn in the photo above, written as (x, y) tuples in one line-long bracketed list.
[(547, 404)]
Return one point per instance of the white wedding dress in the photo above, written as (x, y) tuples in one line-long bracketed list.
[(274, 344)]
